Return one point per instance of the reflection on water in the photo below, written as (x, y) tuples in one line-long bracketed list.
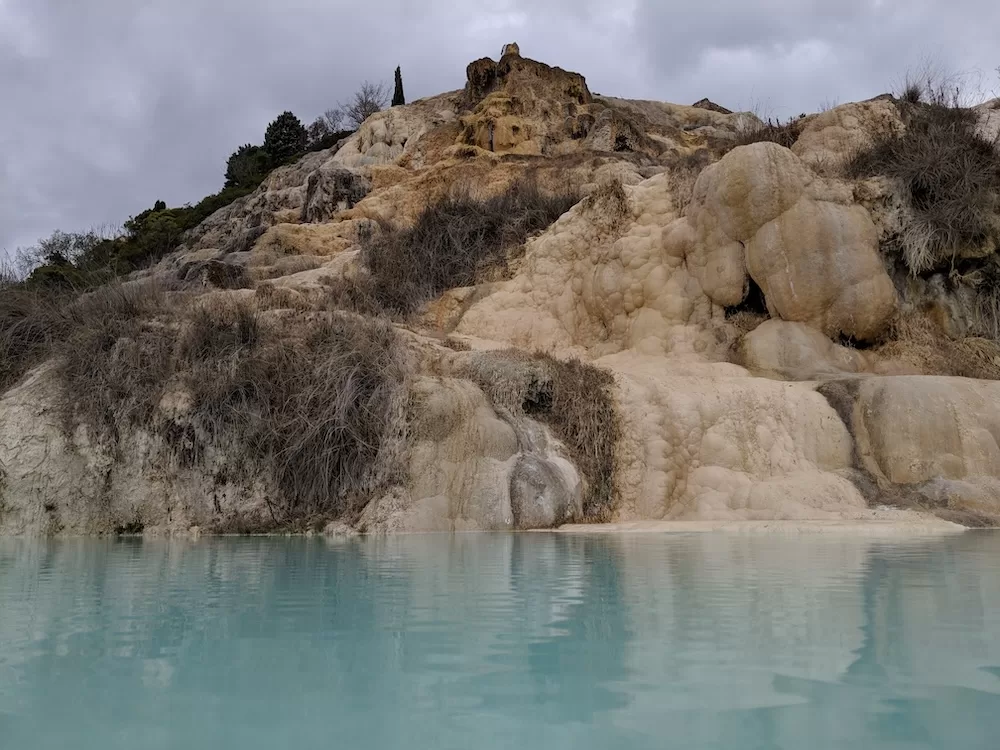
[(525, 641)]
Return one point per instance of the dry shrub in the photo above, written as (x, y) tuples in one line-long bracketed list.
[(114, 357), (918, 341), (31, 322), (574, 399), (455, 242), (319, 401), (769, 131), (746, 321), (312, 404), (950, 175), (609, 205)]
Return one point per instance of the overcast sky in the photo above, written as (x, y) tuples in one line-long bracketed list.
[(109, 105)]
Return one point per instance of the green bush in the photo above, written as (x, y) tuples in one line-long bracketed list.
[(247, 167)]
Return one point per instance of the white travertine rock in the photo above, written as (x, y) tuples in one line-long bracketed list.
[(831, 137), (760, 211), (912, 429), (636, 278), (725, 447), (469, 471), (795, 351)]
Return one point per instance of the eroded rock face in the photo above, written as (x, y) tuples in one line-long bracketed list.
[(332, 189), (59, 483), (645, 277), (813, 252), (914, 429), (932, 441), (469, 470), (829, 138)]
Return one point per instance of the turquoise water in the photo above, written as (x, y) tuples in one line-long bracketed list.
[(502, 641)]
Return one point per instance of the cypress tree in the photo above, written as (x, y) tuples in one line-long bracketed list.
[(397, 96)]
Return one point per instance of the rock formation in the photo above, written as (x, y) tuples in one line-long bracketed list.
[(771, 358)]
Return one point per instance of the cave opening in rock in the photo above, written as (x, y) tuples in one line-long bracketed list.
[(753, 302)]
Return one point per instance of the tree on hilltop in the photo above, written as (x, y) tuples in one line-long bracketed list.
[(247, 166), (398, 98), (367, 100), (284, 138)]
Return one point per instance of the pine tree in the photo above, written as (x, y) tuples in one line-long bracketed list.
[(397, 97), (284, 138)]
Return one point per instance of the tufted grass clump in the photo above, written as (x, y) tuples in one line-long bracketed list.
[(458, 241)]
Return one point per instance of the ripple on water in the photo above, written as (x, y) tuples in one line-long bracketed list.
[(528, 641)]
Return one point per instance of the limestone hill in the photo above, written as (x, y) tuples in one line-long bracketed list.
[(520, 305)]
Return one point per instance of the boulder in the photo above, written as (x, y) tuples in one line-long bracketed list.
[(831, 137), (911, 429), (810, 249), (711, 106), (330, 189), (795, 351)]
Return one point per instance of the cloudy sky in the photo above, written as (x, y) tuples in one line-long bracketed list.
[(108, 105)]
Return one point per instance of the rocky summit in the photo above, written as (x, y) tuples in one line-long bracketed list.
[(522, 304)]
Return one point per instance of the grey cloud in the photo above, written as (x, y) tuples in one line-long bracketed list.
[(108, 105)]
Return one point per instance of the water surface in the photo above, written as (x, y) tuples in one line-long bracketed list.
[(502, 641)]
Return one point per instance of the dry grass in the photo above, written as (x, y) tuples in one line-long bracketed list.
[(684, 171), (918, 341), (609, 206), (950, 175), (312, 404), (574, 399), (455, 242), (768, 131), (31, 321), (983, 278)]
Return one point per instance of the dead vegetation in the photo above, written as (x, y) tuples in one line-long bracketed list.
[(574, 399), (916, 340), (456, 242), (768, 131), (312, 402), (949, 174)]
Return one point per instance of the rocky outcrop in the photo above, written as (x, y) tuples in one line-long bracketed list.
[(760, 213), (828, 139), (332, 189), (470, 469), (758, 326)]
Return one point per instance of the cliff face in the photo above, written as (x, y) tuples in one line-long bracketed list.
[(768, 354)]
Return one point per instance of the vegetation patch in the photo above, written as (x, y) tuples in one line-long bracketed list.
[(456, 242), (574, 399), (312, 404), (769, 131), (950, 176)]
